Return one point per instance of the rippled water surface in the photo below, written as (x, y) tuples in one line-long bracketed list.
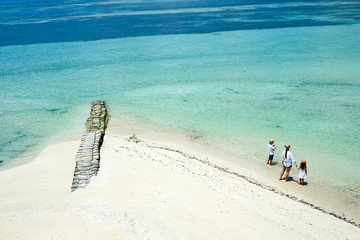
[(233, 74)]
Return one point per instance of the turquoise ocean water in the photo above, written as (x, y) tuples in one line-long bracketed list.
[(295, 78)]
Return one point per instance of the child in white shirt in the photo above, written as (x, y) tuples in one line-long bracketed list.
[(271, 149)]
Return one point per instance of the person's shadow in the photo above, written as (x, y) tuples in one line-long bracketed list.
[(290, 179), (298, 181)]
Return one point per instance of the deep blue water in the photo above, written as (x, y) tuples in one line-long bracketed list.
[(26, 22)]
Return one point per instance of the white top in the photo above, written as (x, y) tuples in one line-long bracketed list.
[(289, 160), (271, 149)]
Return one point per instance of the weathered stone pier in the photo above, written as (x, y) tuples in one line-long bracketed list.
[(88, 155)]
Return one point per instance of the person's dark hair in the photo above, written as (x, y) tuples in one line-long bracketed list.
[(287, 147), (303, 165)]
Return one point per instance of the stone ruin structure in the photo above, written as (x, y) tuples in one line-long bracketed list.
[(88, 155)]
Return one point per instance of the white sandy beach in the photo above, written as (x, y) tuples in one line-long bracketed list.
[(158, 188)]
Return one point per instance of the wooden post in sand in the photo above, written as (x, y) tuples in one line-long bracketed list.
[(88, 155)]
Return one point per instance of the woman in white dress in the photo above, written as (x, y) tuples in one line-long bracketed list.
[(287, 162)]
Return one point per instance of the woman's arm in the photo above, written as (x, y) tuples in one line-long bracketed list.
[(292, 159)]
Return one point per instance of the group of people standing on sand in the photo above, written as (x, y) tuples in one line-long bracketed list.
[(287, 162)]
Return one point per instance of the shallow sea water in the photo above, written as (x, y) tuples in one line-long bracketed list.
[(235, 89)]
